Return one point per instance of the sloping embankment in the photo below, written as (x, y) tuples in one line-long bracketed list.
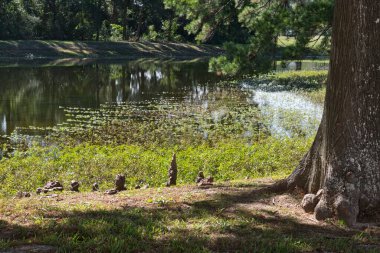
[(115, 50)]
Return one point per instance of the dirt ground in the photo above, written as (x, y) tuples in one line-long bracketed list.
[(228, 213)]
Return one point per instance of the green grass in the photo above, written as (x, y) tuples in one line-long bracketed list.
[(286, 75), (284, 41), (39, 49), (324, 61), (225, 160), (316, 47), (305, 80), (227, 218), (302, 80), (311, 84), (316, 96)]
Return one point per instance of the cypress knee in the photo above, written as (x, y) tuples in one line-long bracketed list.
[(172, 172)]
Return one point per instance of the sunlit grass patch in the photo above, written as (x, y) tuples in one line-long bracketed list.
[(226, 160), (316, 96), (224, 218), (284, 41), (297, 74)]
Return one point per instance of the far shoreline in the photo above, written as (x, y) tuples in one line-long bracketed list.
[(39, 50), (68, 62)]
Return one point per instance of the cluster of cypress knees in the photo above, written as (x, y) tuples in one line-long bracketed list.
[(120, 183)]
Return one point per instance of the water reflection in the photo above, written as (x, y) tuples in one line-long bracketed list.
[(35, 96), (287, 113), (32, 96), (4, 124), (302, 65)]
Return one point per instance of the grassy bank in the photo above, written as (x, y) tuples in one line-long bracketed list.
[(309, 80), (225, 160), (34, 50), (311, 84), (230, 217)]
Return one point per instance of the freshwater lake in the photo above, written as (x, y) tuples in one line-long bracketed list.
[(37, 96)]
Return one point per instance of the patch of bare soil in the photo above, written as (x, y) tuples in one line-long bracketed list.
[(31, 249), (251, 200)]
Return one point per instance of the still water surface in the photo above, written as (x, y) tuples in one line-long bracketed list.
[(37, 95)]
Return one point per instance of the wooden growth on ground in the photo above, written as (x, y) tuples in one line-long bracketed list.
[(172, 172)]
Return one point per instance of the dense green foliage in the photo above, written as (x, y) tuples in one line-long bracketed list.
[(80, 20), (258, 23), (226, 160), (269, 25), (254, 33)]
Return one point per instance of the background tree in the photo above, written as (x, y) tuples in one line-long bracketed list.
[(308, 22), (16, 21), (210, 20), (254, 24)]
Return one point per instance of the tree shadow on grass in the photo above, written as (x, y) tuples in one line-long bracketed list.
[(217, 224)]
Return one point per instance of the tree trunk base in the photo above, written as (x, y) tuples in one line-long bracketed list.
[(349, 205), (344, 159)]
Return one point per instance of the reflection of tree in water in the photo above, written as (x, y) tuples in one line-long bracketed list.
[(3, 123), (31, 96)]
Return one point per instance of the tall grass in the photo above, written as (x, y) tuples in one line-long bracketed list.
[(226, 160)]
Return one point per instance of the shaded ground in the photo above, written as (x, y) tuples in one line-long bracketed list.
[(35, 49), (229, 217)]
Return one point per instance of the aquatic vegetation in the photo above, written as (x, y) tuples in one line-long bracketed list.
[(316, 96), (205, 116), (289, 80), (230, 130), (296, 74)]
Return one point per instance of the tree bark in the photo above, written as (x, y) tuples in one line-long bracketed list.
[(98, 19), (344, 159), (124, 19)]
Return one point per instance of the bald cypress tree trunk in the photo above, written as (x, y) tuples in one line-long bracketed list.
[(344, 159)]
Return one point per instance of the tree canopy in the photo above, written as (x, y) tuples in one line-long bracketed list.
[(203, 21), (253, 32)]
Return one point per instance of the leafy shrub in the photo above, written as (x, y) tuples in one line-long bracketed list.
[(116, 32), (223, 65)]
